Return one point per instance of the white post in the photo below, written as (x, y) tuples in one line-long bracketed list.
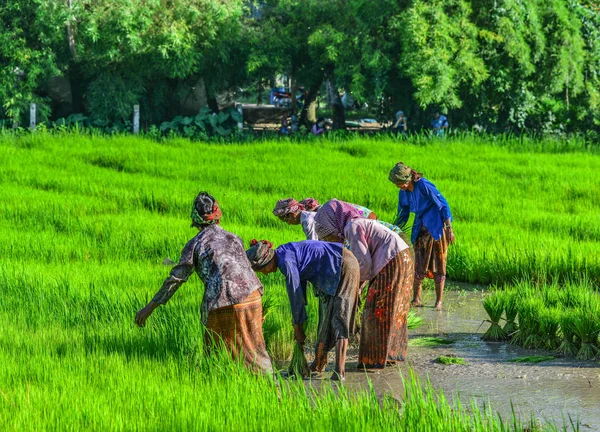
[(32, 117), (240, 124), (136, 119)]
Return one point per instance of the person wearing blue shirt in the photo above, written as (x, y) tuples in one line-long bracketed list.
[(334, 273), (432, 228), (439, 124)]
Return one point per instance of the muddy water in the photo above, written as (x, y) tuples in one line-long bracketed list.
[(551, 391)]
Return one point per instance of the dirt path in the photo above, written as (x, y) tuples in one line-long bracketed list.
[(551, 390)]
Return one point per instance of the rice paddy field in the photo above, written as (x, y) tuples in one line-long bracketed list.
[(86, 223)]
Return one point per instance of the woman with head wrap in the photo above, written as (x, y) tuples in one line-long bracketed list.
[(432, 227), (293, 212), (231, 307), (386, 262), (334, 274)]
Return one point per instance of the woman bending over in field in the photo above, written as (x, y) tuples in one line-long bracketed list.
[(334, 274), (293, 212), (232, 304), (385, 261), (432, 228)]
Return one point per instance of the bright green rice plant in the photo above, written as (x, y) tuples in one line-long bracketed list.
[(535, 337), (549, 326), (531, 359), (526, 322), (587, 329), (494, 306), (569, 344), (298, 365), (428, 341), (451, 359), (510, 298), (413, 320)]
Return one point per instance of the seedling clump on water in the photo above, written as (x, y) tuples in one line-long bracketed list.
[(494, 306)]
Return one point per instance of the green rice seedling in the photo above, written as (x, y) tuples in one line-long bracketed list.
[(528, 335), (413, 320), (429, 341), (549, 326), (494, 306), (569, 344), (510, 310), (450, 359), (587, 329), (531, 359), (298, 365)]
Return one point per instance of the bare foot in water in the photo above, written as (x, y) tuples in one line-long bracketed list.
[(416, 303), (438, 306), (336, 376)]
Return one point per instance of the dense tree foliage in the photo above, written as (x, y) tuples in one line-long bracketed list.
[(505, 65)]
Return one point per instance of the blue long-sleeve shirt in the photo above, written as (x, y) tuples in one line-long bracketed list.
[(319, 263), (429, 206)]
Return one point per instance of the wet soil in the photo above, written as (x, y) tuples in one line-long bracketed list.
[(550, 391)]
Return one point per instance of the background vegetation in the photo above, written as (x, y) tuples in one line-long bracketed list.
[(501, 65)]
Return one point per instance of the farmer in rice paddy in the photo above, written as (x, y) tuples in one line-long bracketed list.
[(432, 228), (386, 262), (334, 274), (232, 304), (293, 212)]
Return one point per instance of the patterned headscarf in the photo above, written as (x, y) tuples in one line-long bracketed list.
[(260, 253), (332, 218), (205, 210), (310, 204), (287, 206), (403, 173)]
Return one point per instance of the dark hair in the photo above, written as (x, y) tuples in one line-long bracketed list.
[(320, 119), (203, 203)]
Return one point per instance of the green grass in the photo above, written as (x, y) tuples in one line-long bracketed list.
[(86, 223), (451, 359), (427, 341), (531, 359)]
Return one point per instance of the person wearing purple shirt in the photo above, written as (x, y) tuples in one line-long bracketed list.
[(432, 228), (334, 274)]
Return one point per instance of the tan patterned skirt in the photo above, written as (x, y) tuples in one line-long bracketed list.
[(239, 328), (384, 332), (430, 255)]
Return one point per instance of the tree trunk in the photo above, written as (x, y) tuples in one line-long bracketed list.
[(309, 110), (339, 113), (293, 91)]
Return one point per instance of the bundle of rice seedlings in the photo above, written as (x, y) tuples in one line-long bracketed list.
[(428, 341), (549, 325), (568, 345), (531, 359), (413, 320), (526, 321), (587, 329), (535, 338), (449, 359), (298, 365), (494, 306), (510, 310)]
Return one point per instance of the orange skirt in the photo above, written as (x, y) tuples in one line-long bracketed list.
[(384, 332), (239, 328)]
